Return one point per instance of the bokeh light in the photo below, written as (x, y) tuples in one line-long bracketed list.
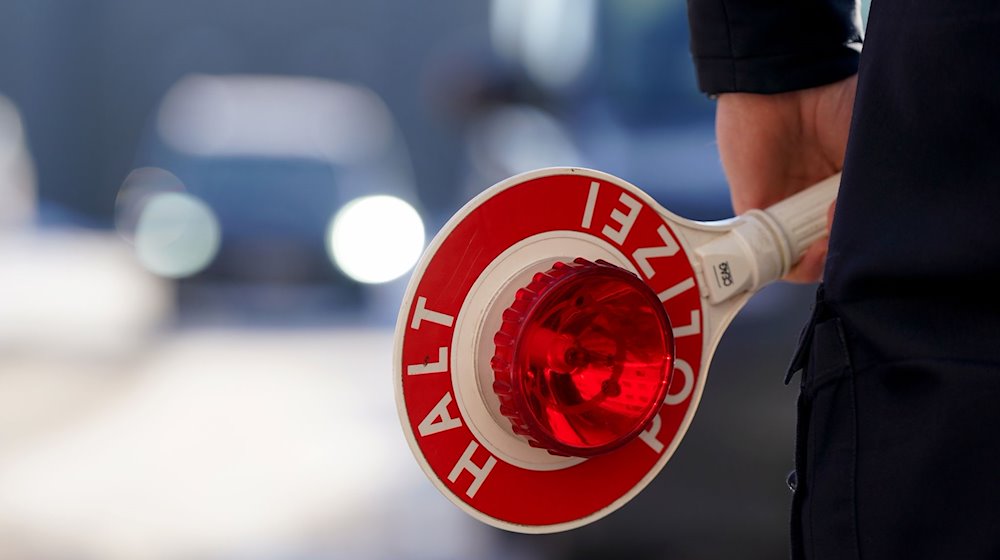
[(375, 239), (139, 187), (10, 131), (512, 139), (552, 39), (177, 235), (17, 178)]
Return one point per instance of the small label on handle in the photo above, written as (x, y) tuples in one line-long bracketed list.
[(728, 273), (723, 274)]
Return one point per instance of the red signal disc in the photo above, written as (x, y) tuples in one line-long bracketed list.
[(555, 205)]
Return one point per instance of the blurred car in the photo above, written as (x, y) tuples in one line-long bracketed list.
[(270, 167)]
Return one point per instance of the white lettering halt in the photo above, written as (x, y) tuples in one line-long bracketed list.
[(478, 473), (421, 314), (439, 419), (441, 365)]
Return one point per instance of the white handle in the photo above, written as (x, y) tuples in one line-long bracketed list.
[(802, 216), (765, 244)]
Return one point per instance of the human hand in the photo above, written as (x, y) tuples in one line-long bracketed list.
[(774, 145)]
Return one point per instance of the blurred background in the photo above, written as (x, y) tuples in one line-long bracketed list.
[(208, 215)]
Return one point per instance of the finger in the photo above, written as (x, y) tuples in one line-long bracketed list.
[(810, 268), (829, 215)]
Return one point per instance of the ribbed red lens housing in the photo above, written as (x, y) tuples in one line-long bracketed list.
[(583, 359)]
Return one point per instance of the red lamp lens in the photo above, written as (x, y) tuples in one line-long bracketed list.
[(583, 359)]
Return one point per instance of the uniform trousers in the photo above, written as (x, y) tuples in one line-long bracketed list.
[(898, 443)]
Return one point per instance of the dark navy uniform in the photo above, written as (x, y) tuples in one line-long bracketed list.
[(898, 450)]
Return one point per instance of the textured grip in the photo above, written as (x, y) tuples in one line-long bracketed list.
[(802, 216)]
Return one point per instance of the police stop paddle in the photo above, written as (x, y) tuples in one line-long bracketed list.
[(554, 340)]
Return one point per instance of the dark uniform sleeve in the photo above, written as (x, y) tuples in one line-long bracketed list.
[(770, 46)]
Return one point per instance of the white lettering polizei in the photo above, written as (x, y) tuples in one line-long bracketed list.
[(421, 314), (478, 473), (588, 211), (439, 419), (676, 290), (649, 435), (684, 368), (668, 249), (690, 329), (441, 365), (626, 221)]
